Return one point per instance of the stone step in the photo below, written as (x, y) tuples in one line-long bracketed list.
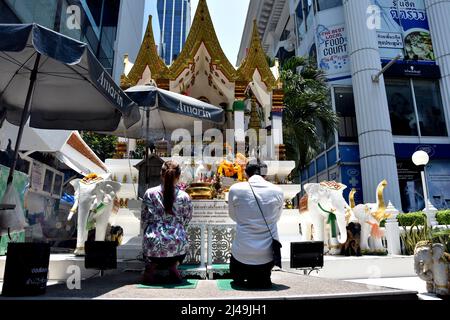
[(61, 267), (343, 268)]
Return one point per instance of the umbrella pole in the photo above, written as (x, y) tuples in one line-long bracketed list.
[(147, 157), (23, 120)]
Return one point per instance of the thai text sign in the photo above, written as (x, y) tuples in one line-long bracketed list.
[(404, 30), (210, 212)]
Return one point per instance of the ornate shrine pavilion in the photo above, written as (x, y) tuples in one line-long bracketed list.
[(251, 95)]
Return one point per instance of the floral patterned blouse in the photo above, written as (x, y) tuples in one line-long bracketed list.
[(165, 234)]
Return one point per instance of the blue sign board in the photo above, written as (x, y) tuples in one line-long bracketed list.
[(351, 177)]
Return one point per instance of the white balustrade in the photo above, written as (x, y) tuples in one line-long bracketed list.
[(392, 231), (430, 212)]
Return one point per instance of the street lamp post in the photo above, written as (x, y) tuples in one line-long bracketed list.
[(421, 159)]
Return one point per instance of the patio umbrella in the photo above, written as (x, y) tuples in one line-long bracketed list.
[(163, 111), (57, 83), (54, 82)]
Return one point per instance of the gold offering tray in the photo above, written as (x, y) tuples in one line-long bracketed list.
[(201, 191)]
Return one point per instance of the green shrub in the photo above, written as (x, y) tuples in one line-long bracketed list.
[(443, 217), (420, 218), (413, 236), (412, 219), (442, 236)]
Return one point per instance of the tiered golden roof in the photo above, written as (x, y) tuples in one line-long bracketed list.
[(147, 57), (202, 32), (256, 60)]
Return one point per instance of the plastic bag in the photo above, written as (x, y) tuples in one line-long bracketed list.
[(13, 219)]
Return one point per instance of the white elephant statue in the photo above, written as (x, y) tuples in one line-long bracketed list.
[(94, 201), (370, 216), (431, 265), (324, 204)]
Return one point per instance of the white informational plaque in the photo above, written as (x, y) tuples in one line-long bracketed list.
[(211, 212)]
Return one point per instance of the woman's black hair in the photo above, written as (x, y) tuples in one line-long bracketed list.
[(170, 172)]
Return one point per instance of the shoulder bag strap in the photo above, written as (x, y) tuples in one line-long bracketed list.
[(259, 206)]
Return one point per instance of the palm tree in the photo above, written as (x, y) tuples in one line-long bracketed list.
[(309, 120)]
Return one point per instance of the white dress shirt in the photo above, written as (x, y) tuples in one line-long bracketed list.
[(253, 243)]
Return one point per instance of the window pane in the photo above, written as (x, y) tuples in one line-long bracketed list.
[(301, 28), (328, 4), (401, 108), (429, 107), (309, 13), (345, 107), (313, 53), (39, 11)]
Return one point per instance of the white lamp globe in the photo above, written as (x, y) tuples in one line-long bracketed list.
[(420, 158)]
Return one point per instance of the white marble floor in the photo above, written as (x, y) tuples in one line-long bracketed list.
[(406, 283)]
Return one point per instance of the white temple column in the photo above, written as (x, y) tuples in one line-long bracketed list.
[(438, 16), (239, 125), (277, 130), (377, 155)]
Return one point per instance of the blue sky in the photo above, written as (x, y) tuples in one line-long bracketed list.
[(228, 17)]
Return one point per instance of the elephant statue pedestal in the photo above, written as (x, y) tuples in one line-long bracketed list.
[(431, 264)]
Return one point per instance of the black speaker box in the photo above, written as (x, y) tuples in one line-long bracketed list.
[(100, 255), (26, 269), (306, 255)]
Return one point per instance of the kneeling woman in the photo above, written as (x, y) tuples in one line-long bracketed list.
[(166, 212)]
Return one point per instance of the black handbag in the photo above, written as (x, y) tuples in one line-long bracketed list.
[(276, 245)]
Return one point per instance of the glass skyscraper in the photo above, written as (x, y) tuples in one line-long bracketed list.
[(175, 21)]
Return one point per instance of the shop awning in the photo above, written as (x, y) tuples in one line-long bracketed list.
[(67, 146)]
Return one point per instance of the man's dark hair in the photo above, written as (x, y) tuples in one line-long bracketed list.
[(256, 167)]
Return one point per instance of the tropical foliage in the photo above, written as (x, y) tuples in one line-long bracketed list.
[(309, 119), (139, 152), (104, 146), (411, 236)]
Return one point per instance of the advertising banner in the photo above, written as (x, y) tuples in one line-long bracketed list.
[(332, 46), (404, 30), (332, 43)]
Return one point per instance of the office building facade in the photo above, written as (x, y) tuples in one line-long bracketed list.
[(175, 21), (382, 121), (107, 26)]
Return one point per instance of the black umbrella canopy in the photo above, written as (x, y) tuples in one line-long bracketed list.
[(71, 90), (172, 102), (163, 111)]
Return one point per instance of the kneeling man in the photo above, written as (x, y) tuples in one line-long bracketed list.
[(252, 256)]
